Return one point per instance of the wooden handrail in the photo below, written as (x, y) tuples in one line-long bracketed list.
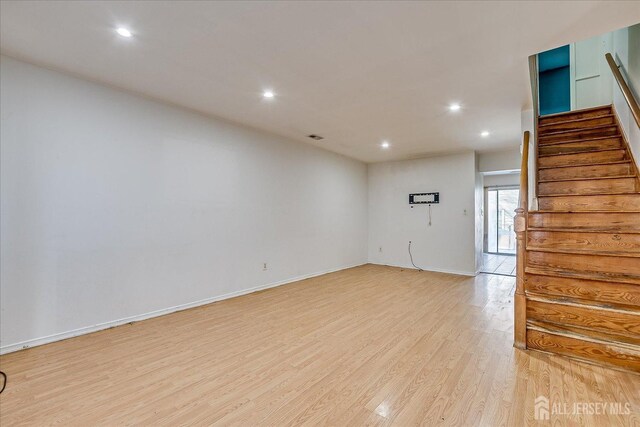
[(533, 75), (624, 87), (520, 226), (524, 174)]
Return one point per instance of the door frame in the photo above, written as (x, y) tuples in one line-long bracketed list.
[(486, 216)]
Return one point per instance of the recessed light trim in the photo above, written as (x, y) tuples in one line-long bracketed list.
[(485, 133), (454, 107), (124, 32), (268, 94), (385, 145)]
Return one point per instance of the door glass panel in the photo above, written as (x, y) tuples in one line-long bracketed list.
[(507, 204), (501, 206)]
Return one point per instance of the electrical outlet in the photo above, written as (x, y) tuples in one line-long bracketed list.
[(264, 266)]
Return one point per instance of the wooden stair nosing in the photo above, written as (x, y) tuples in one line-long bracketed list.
[(611, 323), (612, 193), (573, 141), (580, 111), (586, 164), (588, 179), (613, 230), (596, 150), (577, 130), (557, 329), (616, 322), (581, 119), (587, 275), (534, 248), (546, 211), (621, 361), (576, 302), (617, 293)]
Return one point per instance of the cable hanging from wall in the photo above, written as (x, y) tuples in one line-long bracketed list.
[(4, 381), (411, 257)]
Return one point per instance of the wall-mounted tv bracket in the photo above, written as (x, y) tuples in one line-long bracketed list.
[(424, 198)]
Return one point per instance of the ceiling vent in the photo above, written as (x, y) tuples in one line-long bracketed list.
[(316, 137)]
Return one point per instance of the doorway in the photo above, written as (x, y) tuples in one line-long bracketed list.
[(500, 237), (501, 205)]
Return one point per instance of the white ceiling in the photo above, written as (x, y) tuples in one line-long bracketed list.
[(353, 72)]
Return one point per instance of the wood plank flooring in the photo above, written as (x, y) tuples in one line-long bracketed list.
[(369, 345)]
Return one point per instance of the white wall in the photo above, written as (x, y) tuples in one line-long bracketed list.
[(591, 77), (501, 180), (626, 52), (449, 243), (501, 161), (116, 207)]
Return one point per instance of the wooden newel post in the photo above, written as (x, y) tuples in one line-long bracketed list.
[(520, 300), (520, 226)]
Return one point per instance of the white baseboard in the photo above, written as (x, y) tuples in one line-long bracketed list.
[(435, 270), (9, 348)]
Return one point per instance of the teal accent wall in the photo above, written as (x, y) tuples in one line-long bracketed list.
[(554, 81)]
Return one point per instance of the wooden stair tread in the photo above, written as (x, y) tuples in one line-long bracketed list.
[(591, 202), (547, 211), (574, 141), (584, 350), (588, 179), (598, 150), (611, 321), (575, 123), (585, 164), (584, 252), (588, 275), (616, 293), (581, 119), (578, 302), (612, 294), (624, 343), (577, 130), (585, 158), (611, 193), (612, 230), (580, 111)]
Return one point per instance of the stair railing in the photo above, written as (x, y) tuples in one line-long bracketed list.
[(533, 160), (520, 226), (624, 87)]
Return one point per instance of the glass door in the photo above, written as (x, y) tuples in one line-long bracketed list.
[(501, 206)]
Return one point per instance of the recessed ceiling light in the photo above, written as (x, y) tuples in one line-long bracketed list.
[(484, 133), (454, 107), (268, 94), (385, 144), (123, 32)]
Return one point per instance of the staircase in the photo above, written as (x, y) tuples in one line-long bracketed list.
[(581, 266)]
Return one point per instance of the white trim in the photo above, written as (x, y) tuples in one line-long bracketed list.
[(106, 325), (432, 269)]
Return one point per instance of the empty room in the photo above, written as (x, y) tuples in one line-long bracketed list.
[(324, 213)]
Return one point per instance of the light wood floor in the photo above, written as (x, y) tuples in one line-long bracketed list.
[(368, 345)]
